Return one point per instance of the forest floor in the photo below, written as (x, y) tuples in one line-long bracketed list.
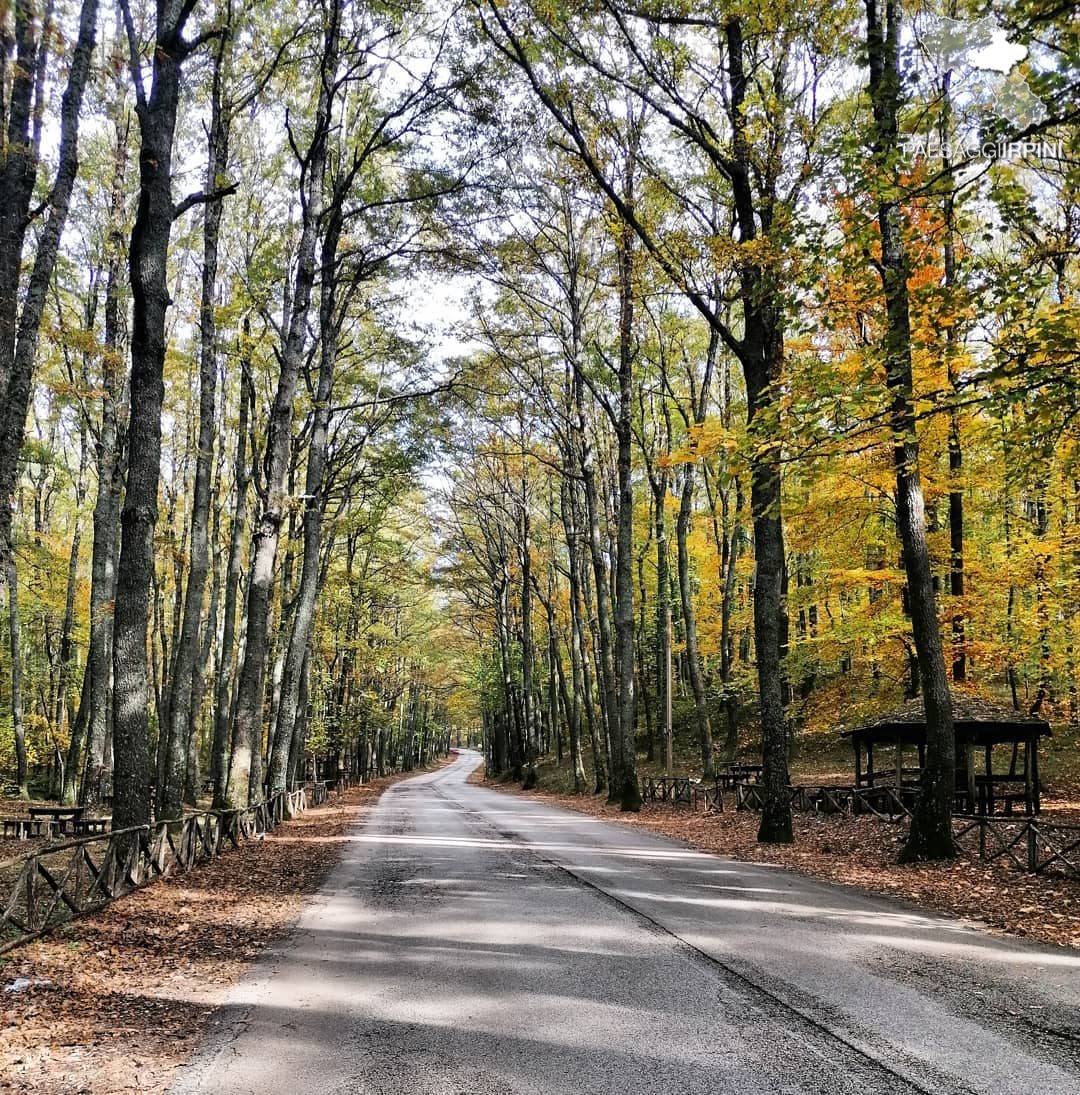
[(859, 852), (118, 999)]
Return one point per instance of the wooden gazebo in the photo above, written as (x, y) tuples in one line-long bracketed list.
[(983, 785)]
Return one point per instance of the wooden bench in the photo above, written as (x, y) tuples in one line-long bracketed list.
[(83, 826), (21, 828)]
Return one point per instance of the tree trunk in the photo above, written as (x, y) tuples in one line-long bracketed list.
[(304, 611), (623, 728), (582, 699), (19, 331), (299, 738), (15, 649), (528, 700), (105, 520), (148, 258), (693, 658), (219, 749), (247, 726), (187, 647), (605, 654), (956, 452), (931, 825), (75, 742)]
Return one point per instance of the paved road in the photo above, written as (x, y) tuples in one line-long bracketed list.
[(475, 942)]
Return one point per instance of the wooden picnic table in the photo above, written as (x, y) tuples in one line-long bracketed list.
[(60, 815), (734, 773), (57, 812)]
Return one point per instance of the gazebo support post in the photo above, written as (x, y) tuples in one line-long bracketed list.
[(1035, 781), (989, 782), (969, 773)]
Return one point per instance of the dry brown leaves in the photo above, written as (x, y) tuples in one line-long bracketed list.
[(120, 998), (862, 852)]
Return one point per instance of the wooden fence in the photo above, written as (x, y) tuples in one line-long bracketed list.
[(883, 802), (682, 791), (62, 881), (1028, 843)]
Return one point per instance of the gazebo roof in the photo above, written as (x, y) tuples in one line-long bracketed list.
[(974, 718)]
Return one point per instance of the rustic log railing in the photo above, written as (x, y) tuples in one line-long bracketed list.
[(1027, 844), (66, 880), (883, 802), (682, 791)]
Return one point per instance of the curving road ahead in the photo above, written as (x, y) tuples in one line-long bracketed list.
[(476, 942)]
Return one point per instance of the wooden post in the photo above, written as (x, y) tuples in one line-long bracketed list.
[(1035, 774), (31, 895), (858, 762), (969, 768), (1029, 800), (870, 764), (989, 782)]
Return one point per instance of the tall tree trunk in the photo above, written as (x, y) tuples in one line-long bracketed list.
[(19, 331), (582, 699), (605, 653), (663, 618), (106, 518), (148, 258), (247, 726), (623, 729), (67, 646), (15, 649), (187, 647), (686, 595), (528, 699), (299, 738), (304, 610), (192, 777), (644, 698), (956, 452), (931, 824), (219, 749)]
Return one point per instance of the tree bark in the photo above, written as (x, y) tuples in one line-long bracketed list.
[(219, 749), (314, 504), (147, 258), (106, 517), (19, 331), (930, 836), (15, 649), (528, 699), (686, 593), (247, 726), (187, 648), (67, 651), (623, 728)]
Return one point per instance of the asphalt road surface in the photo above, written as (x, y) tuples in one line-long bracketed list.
[(477, 942)]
